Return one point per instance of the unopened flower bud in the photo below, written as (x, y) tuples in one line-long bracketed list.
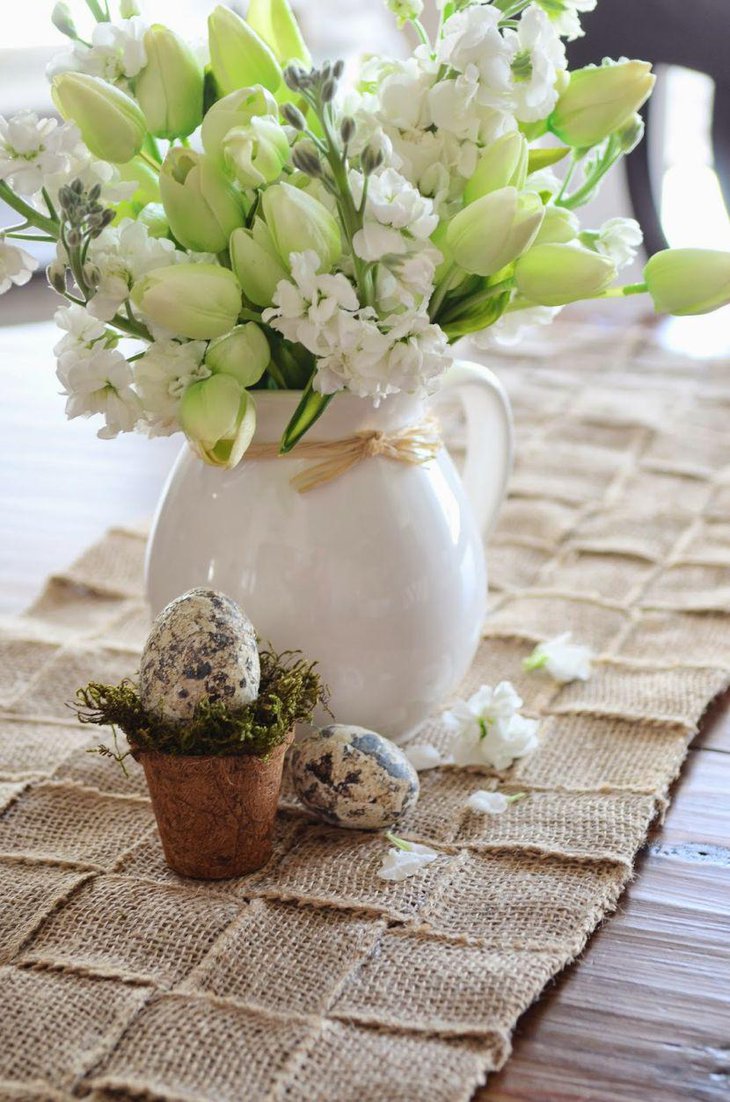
[(235, 109), (73, 238), (63, 21), (111, 123), (501, 164), (243, 353), (274, 22), (199, 301), (554, 275), (305, 157), (256, 263), (297, 222), (347, 129), (128, 9), (338, 69), (201, 204), (170, 87), (558, 226), (219, 419), (295, 77), (293, 116), (238, 57), (688, 281), (630, 135), (56, 276), (328, 91), (494, 230), (371, 159), (257, 152), (91, 275), (599, 100)]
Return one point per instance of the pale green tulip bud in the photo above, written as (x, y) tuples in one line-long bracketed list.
[(501, 164), (111, 123), (201, 204), (243, 353), (235, 109), (256, 263), (63, 20), (297, 222), (170, 87), (494, 230), (600, 100), (147, 180), (219, 418), (273, 20), (558, 226), (238, 57), (129, 8), (199, 301), (154, 218), (256, 153), (688, 281), (631, 134), (553, 275)]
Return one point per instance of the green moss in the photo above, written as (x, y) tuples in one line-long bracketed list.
[(289, 692)]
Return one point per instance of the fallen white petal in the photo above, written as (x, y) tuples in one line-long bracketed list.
[(424, 756), (399, 864), (488, 803)]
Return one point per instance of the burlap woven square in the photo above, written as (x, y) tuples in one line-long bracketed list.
[(313, 980)]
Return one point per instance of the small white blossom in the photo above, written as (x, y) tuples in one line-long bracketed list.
[(471, 37), (405, 859), (491, 803), (161, 378), (562, 660), (16, 266), (538, 56), (100, 381), (619, 239), (82, 329), (565, 16), (423, 756), (488, 729), (405, 10), (116, 54), (32, 149), (123, 254), (392, 201)]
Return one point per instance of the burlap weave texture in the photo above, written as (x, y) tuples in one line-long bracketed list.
[(313, 980)]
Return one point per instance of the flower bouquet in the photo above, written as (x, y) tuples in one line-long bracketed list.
[(229, 219)]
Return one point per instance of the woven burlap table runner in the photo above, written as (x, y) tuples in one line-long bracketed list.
[(313, 980)]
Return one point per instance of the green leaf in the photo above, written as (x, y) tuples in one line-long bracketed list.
[(309, 410), (479, 317), (543, 158)]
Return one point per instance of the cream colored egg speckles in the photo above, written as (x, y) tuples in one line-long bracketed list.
[(352, 777), (202, 647)]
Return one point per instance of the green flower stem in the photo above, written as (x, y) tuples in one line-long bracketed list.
[(32, 216), (622, 292), (399, 843), (26, 236), (131, 327), (420, 30), (450, 280), (149, 160)]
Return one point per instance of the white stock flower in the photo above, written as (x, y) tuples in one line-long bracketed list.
[(162, 375), (538, 56), (423, 756), (308, 308), (82, 329), (16, 266), (619, 239), (488, 729), (100, 381), (419, 357), (562, 660), (405, 859), (404, 10), (32, 148), (393, 201), (121, 255), (565, 15), (491, 803), (117, 53), (471, 37), (510, 329)]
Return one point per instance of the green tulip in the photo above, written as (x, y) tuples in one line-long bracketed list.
[(274, 21), (688, 281), (219, 419), (256, 263), (235, 109), (553, 275), (243, 353), (297, 222), (256, 153), (600, 100), (199, 301), (170, 87), (494, 230), (147, 180), (201, 204), (128, 8), (111, 123), (238, 57), (558, 226), (501, 164)]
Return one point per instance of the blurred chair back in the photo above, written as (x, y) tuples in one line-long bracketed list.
[(692, 33)]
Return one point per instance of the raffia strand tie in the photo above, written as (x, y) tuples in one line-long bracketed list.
[(416, 445)]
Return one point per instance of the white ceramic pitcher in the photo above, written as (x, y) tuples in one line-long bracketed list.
[(379, 574)]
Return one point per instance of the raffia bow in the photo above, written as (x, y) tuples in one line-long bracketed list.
[(415, 445)]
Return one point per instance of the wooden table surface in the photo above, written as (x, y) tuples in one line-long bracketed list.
[(644, 1015)]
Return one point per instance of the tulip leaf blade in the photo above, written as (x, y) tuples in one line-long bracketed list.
[(544, 158), (310, 409)]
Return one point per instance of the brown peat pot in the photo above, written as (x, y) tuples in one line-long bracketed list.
[(215, 814)]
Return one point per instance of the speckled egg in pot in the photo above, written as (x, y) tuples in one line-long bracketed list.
[(352, 777), (202, 646)]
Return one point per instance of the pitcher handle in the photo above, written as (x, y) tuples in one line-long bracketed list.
[(490, 437)]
